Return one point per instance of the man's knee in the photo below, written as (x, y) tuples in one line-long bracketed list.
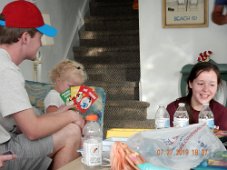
[(69, 134), (72, 131)]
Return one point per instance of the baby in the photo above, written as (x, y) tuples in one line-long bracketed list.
[(65, 74)]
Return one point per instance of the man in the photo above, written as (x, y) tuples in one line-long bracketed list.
[(219, 15), (33, 139)]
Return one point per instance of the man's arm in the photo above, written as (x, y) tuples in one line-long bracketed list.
[(35, 127)]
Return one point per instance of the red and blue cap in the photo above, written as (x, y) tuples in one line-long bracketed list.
[(24, 14)]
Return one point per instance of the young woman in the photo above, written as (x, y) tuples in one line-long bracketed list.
[(203, 82)]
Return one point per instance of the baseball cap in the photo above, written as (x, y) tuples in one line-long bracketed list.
[(24, 14)]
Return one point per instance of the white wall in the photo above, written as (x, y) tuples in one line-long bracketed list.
[(164, 51)]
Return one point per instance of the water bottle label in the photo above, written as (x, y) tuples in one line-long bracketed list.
[(92, 152), (181, 122), (162, 123), (209, 122)]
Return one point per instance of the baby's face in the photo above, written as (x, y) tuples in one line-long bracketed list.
[(75, 81), (64, 85)]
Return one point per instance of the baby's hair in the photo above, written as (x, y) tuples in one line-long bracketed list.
[(62, 69)]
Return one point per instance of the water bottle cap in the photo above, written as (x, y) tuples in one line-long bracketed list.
[(91, 117), (181, 104)]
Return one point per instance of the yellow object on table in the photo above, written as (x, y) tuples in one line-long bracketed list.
[(122, 132)]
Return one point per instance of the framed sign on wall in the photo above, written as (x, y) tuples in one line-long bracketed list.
[(184, 13)]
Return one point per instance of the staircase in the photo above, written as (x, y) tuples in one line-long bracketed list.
[(109, 50)]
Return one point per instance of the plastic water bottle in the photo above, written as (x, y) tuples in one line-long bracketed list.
[(207, 116), (181, 118), (92, 142), (162, 118)]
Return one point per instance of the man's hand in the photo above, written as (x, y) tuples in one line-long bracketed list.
[(80, 121), (64, 108), (6, 157)]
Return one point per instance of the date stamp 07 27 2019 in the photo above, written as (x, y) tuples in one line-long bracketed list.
[(181, 152)]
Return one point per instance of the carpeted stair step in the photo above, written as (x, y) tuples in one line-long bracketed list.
[(113, 84), (102, 55), (109, 38), (113, 72), (118, 90), (140, 124), (116, 23), (111, 8), (126, 110)]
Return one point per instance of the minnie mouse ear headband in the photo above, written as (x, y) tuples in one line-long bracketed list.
[(24, 14), (205, 56)]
